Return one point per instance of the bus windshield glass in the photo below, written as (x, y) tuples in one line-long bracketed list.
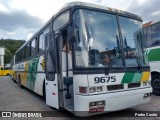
[(132, 41), (98, 43)]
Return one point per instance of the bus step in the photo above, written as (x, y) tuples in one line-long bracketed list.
[(69, 107)]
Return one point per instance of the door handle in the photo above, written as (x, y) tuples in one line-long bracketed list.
[(46, 83)]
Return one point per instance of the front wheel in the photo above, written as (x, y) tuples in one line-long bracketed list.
[(44, 90), (156, 84), (8, 74)]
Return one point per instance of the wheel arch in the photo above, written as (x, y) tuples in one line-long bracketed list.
[(44, 89), (155, 72)]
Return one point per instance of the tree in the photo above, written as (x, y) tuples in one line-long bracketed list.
[(11, 46)]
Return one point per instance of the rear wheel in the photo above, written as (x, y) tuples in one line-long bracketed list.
[(13, 78), (156, 84), (19, 82)]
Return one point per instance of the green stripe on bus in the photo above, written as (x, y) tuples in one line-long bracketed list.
[(32, 69), (153, 55), (137, 77), (128, 77)]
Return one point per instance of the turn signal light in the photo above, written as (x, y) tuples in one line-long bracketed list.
[(82, 89)]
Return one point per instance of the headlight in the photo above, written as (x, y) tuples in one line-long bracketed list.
[(92, 89), (91, 104), (101, 102), (84, 90), (99, 89), (144, 83)]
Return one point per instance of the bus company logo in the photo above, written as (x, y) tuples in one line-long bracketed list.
[(43, 64), (6, 114)]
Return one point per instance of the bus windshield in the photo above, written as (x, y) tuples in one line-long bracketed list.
[(98, 43)]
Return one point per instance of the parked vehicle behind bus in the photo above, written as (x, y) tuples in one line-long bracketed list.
[(87, 59), (152, 50), (5, 71)]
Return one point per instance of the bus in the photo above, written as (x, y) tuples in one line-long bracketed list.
[(152, 48), (5, 71), (87, 59)]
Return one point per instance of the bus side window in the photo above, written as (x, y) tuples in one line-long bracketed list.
[(27, 50), (61, 20), (40, 43), (33, 48), (22, 54), (65, 46)]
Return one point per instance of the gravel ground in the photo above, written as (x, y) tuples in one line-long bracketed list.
[(13, 98)]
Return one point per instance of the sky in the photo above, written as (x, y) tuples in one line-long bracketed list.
[(20, 19)]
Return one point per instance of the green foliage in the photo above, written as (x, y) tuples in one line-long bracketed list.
[(11, 46)]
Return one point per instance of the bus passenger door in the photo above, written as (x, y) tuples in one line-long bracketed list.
[(51, 83)]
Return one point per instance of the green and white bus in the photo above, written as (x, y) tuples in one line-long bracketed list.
[(152, 48), (86, 58)]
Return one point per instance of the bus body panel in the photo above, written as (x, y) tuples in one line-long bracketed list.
[(79, 81), (115, 99), (124, 81), (117, 78), (155, 66), (31, 74), (152, 56), (52, 95)]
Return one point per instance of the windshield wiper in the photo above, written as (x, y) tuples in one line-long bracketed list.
[(76, 29), (135, 56), (113, 52)]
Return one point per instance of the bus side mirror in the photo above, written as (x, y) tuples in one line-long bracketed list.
[(71, 35)]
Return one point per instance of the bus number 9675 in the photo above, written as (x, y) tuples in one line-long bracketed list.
[(104, 79)]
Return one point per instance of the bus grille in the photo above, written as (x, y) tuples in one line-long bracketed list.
[(115, 87), (134, 85)]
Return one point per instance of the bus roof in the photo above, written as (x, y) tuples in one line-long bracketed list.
[(147, 24), (151, 22), (71, 4), (4, 66), (82, 4)]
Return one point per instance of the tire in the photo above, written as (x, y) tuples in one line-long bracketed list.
[(156, 92), (155, 83), (19, 82), (44, 90), (13, 79), (8, 74)]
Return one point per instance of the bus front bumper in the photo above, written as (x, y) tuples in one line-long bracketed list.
[(112, 101)]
